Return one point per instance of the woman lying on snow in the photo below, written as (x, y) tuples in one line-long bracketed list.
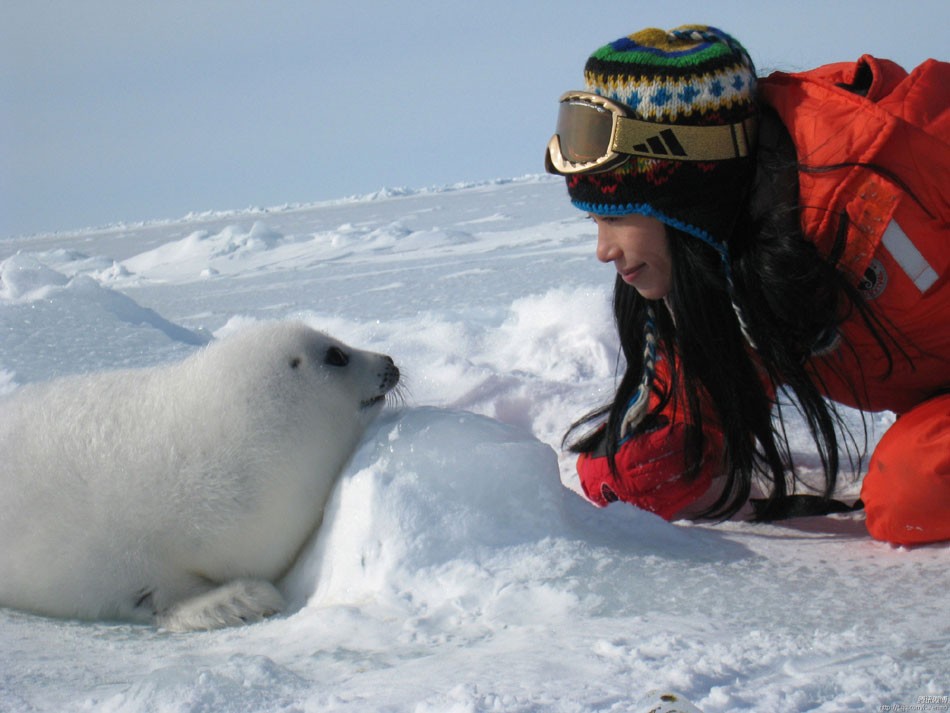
[(790, 232)]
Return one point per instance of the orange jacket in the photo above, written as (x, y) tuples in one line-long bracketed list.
[(898, 245)]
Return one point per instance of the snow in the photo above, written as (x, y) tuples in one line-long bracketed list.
[(457, 568)]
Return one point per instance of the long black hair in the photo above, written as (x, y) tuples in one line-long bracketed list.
[(793, 299)]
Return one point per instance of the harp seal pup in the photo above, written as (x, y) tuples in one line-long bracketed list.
[(179, 494)]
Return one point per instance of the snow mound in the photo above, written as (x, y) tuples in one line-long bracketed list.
[(439, 490), (24, 278), (564, 335), (77, 324), (206, 250)]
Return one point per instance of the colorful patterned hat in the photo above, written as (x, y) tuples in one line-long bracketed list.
[(694, 75)]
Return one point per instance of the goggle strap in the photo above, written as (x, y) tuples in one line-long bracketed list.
[(683, 143)]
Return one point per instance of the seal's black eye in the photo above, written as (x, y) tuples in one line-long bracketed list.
[(336, 357)]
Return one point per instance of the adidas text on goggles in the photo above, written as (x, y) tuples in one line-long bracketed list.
[(596, 134)]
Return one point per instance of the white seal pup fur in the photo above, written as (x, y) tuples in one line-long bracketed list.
[(179, 494)]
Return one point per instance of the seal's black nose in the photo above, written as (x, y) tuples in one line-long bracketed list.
[(390, 376)]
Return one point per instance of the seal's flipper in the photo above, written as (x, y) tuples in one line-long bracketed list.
[(242, 601)]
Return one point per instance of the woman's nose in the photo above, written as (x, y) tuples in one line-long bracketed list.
[(607, 249)]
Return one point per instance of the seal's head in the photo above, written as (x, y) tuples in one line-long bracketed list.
[(297, 367)]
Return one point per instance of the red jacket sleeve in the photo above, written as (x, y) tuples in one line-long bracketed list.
[(650, 468)]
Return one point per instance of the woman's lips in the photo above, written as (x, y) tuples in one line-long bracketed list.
[(631, 275)]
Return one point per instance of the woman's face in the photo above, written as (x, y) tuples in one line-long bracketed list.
[(638, 247)]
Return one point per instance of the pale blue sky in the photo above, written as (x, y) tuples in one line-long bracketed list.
[(117, 110)]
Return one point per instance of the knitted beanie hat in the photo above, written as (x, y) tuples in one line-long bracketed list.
[(694, 75)]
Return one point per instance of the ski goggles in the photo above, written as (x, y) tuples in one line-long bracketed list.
[(595, 134)]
